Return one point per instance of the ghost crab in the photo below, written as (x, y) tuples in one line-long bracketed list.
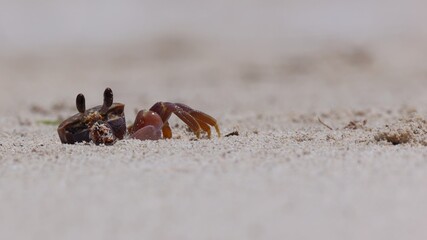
[(105, 124)]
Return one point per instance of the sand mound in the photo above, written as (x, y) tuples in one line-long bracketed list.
[(410, 130)]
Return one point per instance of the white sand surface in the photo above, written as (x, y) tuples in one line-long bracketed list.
[(286, 176)]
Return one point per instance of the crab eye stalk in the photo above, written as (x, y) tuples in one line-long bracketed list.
[(81, 103), (108, 99)]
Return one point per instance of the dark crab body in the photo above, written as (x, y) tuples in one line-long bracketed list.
[(101, 124), (106, 123)]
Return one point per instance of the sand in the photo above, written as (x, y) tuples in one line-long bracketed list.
[(286, 176), (360, 174)]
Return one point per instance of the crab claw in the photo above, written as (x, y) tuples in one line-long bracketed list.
[(147, 133), (147, 126)]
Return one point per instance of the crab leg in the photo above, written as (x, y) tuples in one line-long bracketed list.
[(165, 110), (202, 118), (166, 130), (189, 120), (205, 127)]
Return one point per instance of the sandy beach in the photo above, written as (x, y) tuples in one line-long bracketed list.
[(332, 137)]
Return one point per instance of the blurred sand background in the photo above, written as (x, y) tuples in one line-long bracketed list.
[(267, 69)]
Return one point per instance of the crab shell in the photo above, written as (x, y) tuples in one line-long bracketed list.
[(76, 129)]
